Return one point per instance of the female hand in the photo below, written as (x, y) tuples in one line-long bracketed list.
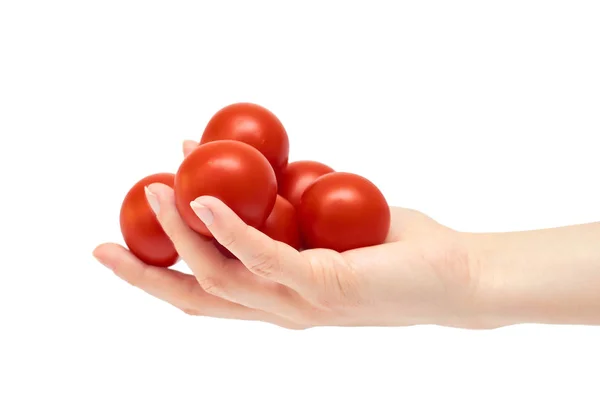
[(421, 275)]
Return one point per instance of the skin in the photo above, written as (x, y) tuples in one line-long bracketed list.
[(425, 273)]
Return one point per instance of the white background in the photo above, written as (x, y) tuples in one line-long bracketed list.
[(484, 115)]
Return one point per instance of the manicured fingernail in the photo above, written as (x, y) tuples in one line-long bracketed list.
[(152, 200), (203, 213)]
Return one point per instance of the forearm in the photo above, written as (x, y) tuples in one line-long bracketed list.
[(546, 276)]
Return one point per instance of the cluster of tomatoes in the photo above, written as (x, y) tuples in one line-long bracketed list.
[(242, 159)]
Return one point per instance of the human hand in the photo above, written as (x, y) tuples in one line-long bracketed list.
[(421, 274)]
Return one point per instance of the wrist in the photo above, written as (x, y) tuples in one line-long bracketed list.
[(545, 276), (502, 296)]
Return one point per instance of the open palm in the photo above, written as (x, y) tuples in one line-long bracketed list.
[(419, 275)]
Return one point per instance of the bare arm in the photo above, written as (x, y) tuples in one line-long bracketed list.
[(547, 276)]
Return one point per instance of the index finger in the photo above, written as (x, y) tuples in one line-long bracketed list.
[(258, 252)]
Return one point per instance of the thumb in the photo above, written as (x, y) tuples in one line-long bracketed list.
[(261, 254)]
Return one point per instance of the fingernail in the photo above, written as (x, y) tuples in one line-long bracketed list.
[(203, 213), (152, 200)]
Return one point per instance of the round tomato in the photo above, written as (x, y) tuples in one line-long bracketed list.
[(298, 176), (254, 125), (143, 234), (342, 211), (232, 171), (282, 224)]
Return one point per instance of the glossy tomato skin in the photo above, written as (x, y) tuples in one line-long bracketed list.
[(343, 211), (252, 124), (232, 171), (282, 224), (143, 234), (297, 176)]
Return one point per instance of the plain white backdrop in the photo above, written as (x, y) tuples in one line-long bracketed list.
[(483, 115)]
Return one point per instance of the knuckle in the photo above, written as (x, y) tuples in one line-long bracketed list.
[(211, 285), (265, 263), (343, 284), (327, 295), (228, 239)]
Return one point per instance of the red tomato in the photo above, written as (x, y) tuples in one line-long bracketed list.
[(342, 211), (254, 125), (141, 231), (232, 171), (298, 176), (281, 225)]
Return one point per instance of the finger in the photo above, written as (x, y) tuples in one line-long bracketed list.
[(176, 288), (261, 254), (217, 275), (187, 242), (168, 285), (188, 147)]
